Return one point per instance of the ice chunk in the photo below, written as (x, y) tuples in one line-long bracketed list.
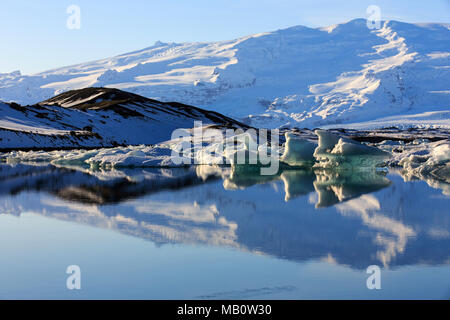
[(335, 151), (353, 148), (298, 151), (33, 157), (441, 153), (141, 156), (131, 156), (423, 160), (429, 162), (327, 141)]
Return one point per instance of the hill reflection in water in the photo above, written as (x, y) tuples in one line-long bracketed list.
[(351, 218)]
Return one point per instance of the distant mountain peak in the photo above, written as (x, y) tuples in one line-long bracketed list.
[(299, 76)]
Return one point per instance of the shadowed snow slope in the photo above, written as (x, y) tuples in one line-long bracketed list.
[(298, 76), (98, 117)]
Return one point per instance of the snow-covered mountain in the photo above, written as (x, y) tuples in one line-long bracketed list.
[(299, 76), (98, 117)]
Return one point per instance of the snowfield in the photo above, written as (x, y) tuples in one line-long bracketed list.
[(98, 117), (298, 77)]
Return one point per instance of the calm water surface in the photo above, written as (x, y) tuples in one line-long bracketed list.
[(210, 233)]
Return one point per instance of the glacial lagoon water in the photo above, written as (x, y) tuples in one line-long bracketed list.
[(217, 233)]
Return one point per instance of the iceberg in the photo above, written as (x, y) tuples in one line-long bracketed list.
[(429, 162), (298, 151), (132, 156), (335, 151), (331, 151)]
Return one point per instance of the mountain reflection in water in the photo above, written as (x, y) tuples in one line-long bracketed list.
[(352, 218)]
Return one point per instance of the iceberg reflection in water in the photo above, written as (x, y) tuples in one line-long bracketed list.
[(347, 218)]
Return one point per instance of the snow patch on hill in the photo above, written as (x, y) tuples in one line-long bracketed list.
[(98, 117)]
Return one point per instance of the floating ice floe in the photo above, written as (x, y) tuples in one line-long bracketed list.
[(298, 151), (241, 149), (429, 162), (30, 157), (434, 157), (142, 156), (419, 159), (335, 151)]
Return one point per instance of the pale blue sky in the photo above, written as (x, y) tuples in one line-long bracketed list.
[(34, 36)]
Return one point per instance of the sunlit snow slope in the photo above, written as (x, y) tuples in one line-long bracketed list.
[(298, 76), (98, 117)]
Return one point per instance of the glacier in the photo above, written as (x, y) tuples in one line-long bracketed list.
[(298, 77)]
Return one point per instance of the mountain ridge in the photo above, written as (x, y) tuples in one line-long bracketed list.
[(98, 117), (298, 76)]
